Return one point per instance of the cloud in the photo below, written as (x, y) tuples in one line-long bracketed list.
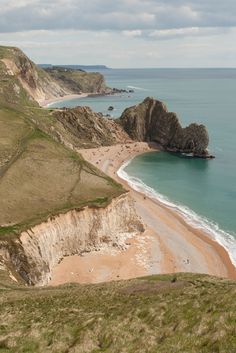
[(174, 33), (212, 49), (122, 15), (133, 33), (124, 33)]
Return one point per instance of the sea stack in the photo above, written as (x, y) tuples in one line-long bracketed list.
[(150, 121)]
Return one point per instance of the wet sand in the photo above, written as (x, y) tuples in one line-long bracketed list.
[(46, 103), (168, 244)]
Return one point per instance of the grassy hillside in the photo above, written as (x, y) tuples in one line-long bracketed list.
[(192, 314), (39, 175)]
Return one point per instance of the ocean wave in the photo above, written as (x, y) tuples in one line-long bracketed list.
[(137, 88), (225, 239)]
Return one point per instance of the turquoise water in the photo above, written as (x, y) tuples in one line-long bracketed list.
[(204, 191)]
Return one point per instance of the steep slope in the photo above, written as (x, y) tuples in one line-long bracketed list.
[(36, 251), (151, 121), (187, 313), (91, 129), (35, 81)]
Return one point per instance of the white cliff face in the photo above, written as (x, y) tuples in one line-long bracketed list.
[(39, 249)]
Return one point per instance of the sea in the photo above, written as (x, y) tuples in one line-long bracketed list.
[(202, 191)]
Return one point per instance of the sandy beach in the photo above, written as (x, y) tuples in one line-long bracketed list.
[(168, 245), (46, 103)]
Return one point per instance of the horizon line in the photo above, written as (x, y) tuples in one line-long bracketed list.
[(137, 68)]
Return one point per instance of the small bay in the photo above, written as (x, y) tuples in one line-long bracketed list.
[(204, 189)]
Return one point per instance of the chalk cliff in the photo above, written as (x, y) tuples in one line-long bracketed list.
[(38, 250)]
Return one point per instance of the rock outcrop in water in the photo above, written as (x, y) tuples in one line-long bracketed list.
[(151, 121)]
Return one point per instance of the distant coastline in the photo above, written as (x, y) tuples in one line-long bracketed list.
[(76, 67)]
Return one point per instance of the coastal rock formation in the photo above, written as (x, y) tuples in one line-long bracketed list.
[(151, 121), (91, 129), (77, 81), (39, 249)]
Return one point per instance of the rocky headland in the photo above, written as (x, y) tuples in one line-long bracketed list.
[(150, 121)]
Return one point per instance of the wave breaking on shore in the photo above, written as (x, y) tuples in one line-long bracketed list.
[(225, 239)]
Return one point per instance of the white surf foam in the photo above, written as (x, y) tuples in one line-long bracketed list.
[(137, 88), (227, 240)]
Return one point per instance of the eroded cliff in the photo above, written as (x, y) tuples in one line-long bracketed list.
[(91, 129), (34, 254)]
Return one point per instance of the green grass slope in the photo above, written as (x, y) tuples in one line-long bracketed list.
[(156, 315), (39, 175)]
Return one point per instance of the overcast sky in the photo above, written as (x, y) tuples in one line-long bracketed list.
[(123, 33)]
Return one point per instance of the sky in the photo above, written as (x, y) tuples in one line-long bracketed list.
[(122, 33)]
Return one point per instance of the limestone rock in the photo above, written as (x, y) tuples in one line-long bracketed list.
[(150, 121)]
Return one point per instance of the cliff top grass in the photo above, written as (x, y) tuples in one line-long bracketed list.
[(154, 314)]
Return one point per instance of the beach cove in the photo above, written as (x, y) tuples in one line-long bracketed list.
[(168, 245)]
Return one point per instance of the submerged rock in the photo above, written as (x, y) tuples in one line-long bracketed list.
[(150, 121)]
